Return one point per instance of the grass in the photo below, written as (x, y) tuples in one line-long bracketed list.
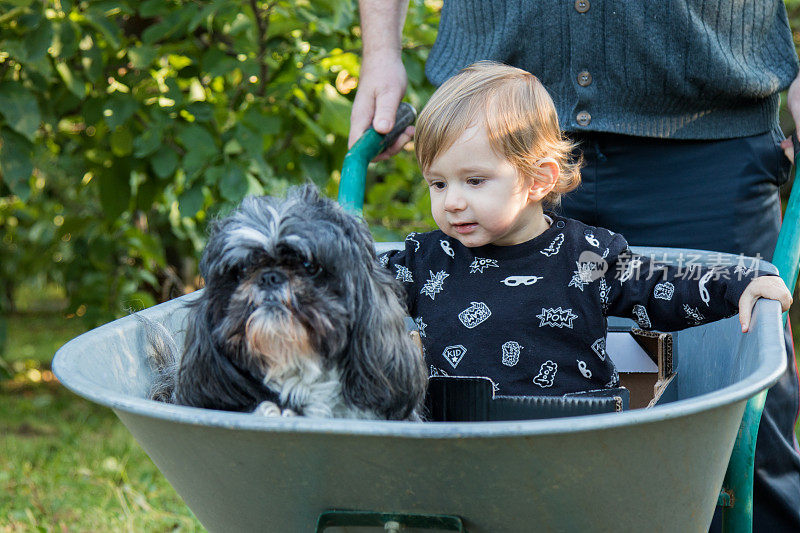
[(66, 463)]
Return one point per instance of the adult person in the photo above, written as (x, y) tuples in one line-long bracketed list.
[(675, 106)]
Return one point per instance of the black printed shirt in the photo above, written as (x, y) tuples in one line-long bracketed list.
[(532, 317)]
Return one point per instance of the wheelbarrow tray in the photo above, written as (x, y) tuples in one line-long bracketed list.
[(657, 469)]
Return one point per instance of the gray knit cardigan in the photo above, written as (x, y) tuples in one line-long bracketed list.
[(683, 69)]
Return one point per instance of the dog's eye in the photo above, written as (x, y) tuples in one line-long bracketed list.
[(243, 271), (312, 268)]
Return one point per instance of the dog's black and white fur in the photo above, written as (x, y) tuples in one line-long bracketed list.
[(297, 317)]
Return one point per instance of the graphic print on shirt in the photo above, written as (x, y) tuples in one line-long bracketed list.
[(404, 274), (384, 260), (557, 318), (599, 347), (454, 354), (702, 286), (591, 239), (511, 351), (584, 371), (583, 276), (553, 248), (614, 381), (421, 326), (664, 291), (640, 314), (435, 284), (436, 372), (475, 314), (632, 265), (546, 375), (513, 281), (410, 238), (693, 315), (604, 290), (447, 248), (480, 264), (741, 269)]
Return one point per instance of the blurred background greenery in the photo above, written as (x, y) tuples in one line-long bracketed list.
[(124, 127)]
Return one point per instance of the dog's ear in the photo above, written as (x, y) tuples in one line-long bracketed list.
[(207, 377), (382, 368)]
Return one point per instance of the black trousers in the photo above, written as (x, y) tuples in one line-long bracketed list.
[(713, 195)]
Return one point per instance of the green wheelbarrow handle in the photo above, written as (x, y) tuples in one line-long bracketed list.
[(370, 144), (736, 498)]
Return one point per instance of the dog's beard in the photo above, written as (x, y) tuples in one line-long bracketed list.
[(278, 342), (277, 335)]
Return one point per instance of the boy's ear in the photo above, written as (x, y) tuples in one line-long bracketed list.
[(545, 179)]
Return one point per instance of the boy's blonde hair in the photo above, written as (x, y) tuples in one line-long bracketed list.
[(518, 114)]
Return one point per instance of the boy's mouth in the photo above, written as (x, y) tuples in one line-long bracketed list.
[(466, 227)]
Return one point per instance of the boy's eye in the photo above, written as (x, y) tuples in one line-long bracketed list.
[(438, 185), (475, 181)]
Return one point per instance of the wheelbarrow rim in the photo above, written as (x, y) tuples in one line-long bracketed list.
[(66, 366)]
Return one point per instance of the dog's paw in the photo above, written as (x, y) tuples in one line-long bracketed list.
[(267, 409), (288, 412)]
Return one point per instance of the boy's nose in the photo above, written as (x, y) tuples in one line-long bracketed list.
[(454, 200)]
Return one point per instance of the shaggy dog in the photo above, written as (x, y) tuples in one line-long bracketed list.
[(297, 317)]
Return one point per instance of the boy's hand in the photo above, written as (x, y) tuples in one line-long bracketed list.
[(771, 287)]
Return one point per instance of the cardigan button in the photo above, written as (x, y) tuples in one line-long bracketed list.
[(582, 6), (560, 224), (584, 78), (583, 118)]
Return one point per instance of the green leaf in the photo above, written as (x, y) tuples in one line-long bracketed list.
[(115, 188), (65, 39), (215, 63), (172, 25), (234, 185), (75, 85), (16, 166), (39, 41), (92, 62), (164, 162), (315, 169), (201, 111), (191, 201), (335, 112), (264, 123), (148, 142), (213, 175), (146, 193), (20, 108), (151, 8), (118, 109), (106, 26), (142, 56), (310, 125), (196, 137), (121, 142)]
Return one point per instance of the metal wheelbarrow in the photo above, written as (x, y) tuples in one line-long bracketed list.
[(657, 469)]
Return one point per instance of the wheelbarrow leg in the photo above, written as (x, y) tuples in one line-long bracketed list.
[(391, 522), (736, 498)]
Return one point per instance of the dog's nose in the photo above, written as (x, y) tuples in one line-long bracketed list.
[(272, 278)]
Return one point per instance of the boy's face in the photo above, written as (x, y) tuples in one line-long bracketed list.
[(478, 197)]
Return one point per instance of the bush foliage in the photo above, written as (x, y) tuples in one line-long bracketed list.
[(126, 125)]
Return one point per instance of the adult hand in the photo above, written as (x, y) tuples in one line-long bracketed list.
[(793, 103), (381, 86)]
